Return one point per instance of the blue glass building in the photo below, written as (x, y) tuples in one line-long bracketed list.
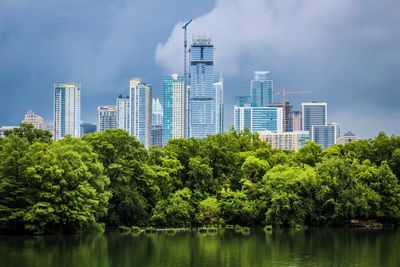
[(243, 101), (313, 113), (174, 107), (202, 119), (261, 89), (258, 119), (325, 135)]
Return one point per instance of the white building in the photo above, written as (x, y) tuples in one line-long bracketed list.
[(219, 105), (257, 119), (37, 121), (285, 140), (140, 104), (107, 118), (347, 138), (67, 110), (123, 111)]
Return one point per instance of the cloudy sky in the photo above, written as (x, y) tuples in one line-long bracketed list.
[(347, 52)]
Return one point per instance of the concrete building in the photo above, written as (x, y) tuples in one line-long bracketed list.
[(285, 140), (67, 109), (219, 105), (37, 121), (140, 104), (123, 111), (313, 113), (347, 138), (107, 118), (258, 119)]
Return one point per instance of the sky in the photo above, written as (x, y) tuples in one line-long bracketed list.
[(346, 52)]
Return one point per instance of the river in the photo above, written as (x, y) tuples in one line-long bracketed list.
[(312, 247)]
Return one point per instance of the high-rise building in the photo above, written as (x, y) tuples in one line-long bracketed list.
[(347, 138), (258, 119), (324, 135), (157, 112), (243, 101), (313, 113), (67, 110), (201, 98), (174, 107), (285, 140), (157, 135), (140, 104), (261, 89), (123, 111), (87, 128), (287, 115), (296, 117), (37, 121), (219, 105), (107, 118)]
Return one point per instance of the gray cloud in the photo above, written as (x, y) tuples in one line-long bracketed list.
[(346, 52)]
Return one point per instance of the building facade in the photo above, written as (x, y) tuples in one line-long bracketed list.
[(287, 109), (157, 135), (285, 140), (325, 135), (123, 111), (313, 113), (243, 101), (258, 119), (201, 95), (67, 110), (157, 112), (219, 105), (261, 89), (347, 138), (107, 118), (37, 121), (174, 107), (140, 104), (296, 117)]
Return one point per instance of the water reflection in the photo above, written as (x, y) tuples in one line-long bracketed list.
[(313, 247)]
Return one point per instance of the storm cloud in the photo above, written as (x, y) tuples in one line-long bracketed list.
[(346, 52)]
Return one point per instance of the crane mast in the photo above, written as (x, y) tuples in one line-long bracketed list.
[(185, 78)]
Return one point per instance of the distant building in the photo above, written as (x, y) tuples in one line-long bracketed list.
[(107, 118), (67, 110), (347, 138), (123, 111), (174, 107), (87, 128), (157, 135), (243, 101), (261, 89), (287, 109), (313, 113), (258, 119), (157, 112), (286, 140), (219, 105), (296, 117), (202, 94), (3, 129), (140, 96), (325, 135), (37, 121)]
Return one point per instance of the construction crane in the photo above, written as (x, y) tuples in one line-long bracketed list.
[(185, 78), (283, 95)]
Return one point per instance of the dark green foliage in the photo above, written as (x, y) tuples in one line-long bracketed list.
[(231, 178)]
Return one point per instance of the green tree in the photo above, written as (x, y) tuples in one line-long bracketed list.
[(209, 211), (28, 131)]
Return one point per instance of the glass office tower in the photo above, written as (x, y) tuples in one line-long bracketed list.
[(202, 97), (258, 119), (313, 113), (261, 89)]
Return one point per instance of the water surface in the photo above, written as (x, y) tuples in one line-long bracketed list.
[(313, 247)]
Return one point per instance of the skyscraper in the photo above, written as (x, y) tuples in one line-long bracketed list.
[(296, 117), (243, 101), (258, 119), (219, 105), (313, 113), (157, 112), (140, 104), (201, 99), (107, 118), (261, 89), (67, 110), (174, 107), (123, 111), (287, 115)]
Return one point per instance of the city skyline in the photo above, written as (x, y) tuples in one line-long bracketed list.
[(354, 69)]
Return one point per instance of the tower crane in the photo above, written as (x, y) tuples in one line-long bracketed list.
[(185, 78)]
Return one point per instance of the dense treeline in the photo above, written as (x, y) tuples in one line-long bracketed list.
[(109, 178)]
